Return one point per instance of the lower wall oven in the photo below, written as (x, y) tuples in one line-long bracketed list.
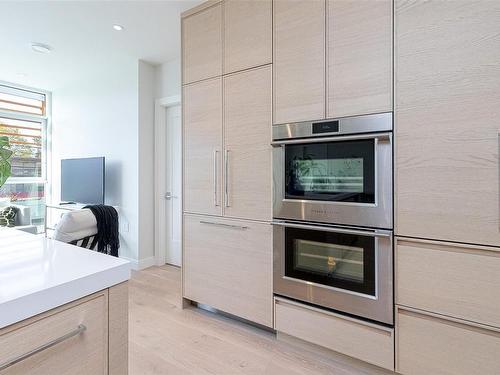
[(342, 268)]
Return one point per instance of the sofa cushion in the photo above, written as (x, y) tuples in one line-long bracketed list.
[(8, 216), (75, 225)]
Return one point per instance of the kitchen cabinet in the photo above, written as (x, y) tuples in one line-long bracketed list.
[(202, 44), (446, 120), (202, 107), (359, 54), (87, 336), (247, 34), (247, 150), (228, 265), (455, 280), (299, 60), (428, 344), (356, 338)]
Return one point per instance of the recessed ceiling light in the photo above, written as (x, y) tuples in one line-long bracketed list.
[(118, 27), (40, 48)]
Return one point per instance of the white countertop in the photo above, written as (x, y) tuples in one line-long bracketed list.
[(38, 274)]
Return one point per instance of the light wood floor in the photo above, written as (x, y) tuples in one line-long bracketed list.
[(164, 339)]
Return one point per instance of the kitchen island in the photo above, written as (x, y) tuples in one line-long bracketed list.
[(63, 309)]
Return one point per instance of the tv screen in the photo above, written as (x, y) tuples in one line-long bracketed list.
[(82, 180)]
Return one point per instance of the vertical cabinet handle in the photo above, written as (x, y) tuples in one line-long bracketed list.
[(226, 180), (216, 178)]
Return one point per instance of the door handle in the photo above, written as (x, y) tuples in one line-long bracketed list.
[(216, 177), (242, 227), (168, 195), (226, 179), (369, 233), (79, 330)]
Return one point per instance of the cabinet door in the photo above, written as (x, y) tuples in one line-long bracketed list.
[(203, 147), (202, 44), (359, 57), (447, 125), (299, 60), (247, 34), (247, 138), (228, 265)]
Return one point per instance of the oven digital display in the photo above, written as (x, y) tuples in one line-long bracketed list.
[(325, 127)]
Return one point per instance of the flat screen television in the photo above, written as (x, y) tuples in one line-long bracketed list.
[(82, 180)]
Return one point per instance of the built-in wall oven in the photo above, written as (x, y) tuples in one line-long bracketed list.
[(332, 183), (334, 171), (346, 269)]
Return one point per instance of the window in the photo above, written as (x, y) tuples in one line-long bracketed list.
[(23, 121)]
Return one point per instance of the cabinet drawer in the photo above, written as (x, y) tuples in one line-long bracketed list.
[(228, 265), (429, 345), (456, 280), (348, 336), (83, 353)]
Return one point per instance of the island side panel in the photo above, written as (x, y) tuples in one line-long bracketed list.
[(118, 329)]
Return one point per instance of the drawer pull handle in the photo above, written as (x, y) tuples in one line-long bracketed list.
[(80, 329), (224, 225)]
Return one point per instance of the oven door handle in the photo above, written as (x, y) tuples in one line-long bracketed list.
[(375, 233), (379, 136)]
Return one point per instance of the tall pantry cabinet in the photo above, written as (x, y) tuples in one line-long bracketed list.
[(227, 104), (447, 126)]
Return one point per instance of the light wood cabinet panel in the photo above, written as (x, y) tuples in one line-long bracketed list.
[(446, 123), (299, 60), (228, 265), (428, 345), (84, 353), (118, 329), (202, 107), (355, 338), (202, 44), (359, 57), (449, 279), (247, 34), (247, 127)]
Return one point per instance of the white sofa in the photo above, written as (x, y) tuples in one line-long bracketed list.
[(23, 217)]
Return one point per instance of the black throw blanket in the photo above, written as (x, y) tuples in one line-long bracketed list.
[(108, 241)]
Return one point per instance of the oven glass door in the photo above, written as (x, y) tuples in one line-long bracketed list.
[(342, 171), (339, 260)]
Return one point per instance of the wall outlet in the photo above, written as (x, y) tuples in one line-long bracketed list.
[(124, 226)]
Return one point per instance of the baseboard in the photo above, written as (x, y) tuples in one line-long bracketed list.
[(141, 264)]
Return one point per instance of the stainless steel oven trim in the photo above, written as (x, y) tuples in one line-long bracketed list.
[(378, 308), (332, 139), (375, 215), (368, 296), (335, 229), (347, 125)]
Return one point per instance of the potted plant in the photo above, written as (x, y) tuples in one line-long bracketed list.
[(5, 155)]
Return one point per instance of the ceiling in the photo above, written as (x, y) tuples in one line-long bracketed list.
[(82, 38)]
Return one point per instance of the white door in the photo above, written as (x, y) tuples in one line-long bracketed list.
[(173, 199)]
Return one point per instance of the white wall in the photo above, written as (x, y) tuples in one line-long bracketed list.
[(112, 115), (145, 135), (168, 79), (99, 117)]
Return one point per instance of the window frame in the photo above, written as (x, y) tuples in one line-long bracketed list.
[(45, 122)]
